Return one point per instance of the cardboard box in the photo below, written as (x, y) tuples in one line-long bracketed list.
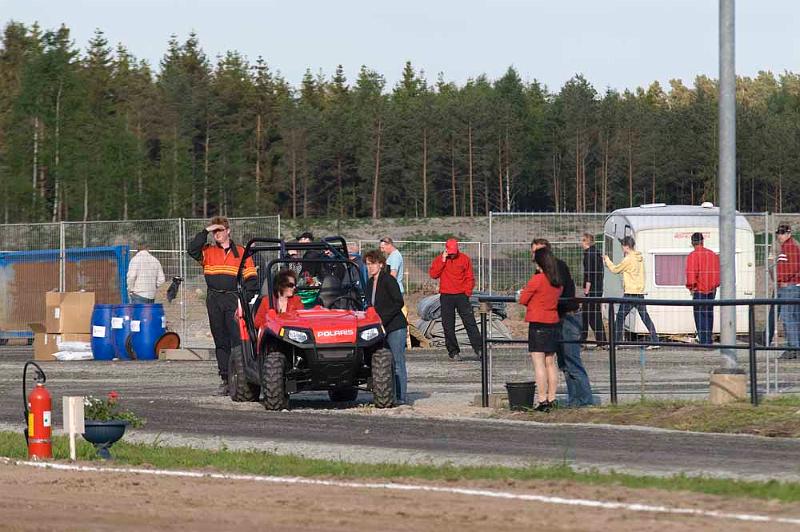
[(45, 344), (68, 312)]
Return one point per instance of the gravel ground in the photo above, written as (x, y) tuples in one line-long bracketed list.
[(441, 426)]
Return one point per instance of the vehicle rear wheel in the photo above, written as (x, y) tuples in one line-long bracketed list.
[(273, 381), (4, 341), (239, 389), (383, 378), (343, 395)]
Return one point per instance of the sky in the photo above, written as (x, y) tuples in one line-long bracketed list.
[(619, 44)]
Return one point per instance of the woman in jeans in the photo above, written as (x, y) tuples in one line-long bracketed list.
[(540, 296), (383, 293)]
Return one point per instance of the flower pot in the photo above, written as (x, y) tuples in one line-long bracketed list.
[(103, 434), (521, 395)]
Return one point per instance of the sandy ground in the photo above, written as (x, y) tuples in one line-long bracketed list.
[(37, 499)]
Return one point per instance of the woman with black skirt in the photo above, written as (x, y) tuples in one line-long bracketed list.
[(540, 296)]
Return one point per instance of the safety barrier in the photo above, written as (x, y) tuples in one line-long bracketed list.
[(613, 343)]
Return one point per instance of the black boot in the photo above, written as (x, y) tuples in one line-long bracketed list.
[(223, 388)]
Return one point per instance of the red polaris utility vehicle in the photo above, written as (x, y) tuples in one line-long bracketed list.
[(335, 344)]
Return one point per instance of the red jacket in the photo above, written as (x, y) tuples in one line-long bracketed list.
[(702, 270), (455, 275), (541, 298), (789, 262)]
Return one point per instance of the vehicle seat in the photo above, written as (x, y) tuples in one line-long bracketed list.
[(330, 290)]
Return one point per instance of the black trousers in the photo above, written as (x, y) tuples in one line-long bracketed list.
[(593, 317), (450, 304), (222, 308)]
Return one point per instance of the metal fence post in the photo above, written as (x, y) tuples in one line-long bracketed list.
[(490, 253), (62, 257), (751, 318), (485, 308), (612, 354), (183, 274)]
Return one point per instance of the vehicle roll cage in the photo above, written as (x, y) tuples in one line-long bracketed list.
[(336, 245)]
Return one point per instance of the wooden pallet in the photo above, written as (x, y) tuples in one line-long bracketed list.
[(417, 337)]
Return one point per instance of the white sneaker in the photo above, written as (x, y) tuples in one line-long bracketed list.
[(651, 347)]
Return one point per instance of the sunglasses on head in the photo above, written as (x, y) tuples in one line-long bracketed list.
[(291, 285)]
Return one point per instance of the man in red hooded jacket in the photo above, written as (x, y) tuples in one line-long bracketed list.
[(456, 282)]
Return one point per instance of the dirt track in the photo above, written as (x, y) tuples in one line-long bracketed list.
[(35, 499)]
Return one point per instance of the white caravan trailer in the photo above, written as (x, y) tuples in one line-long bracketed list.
[(663, 236)]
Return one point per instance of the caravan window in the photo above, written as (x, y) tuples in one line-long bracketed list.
[(670, 270), (608, 247)]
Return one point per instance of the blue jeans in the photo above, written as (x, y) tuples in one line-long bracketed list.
[(397, 345), (641, 308), (790, 315), (136, 298), (579, 391), (704, 317)]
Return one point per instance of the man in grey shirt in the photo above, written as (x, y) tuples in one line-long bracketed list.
[(394, 260)]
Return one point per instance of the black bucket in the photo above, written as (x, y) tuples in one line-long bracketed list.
[(521, 395)]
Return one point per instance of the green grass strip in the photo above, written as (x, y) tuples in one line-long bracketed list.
[(12, 445), (775, 417)]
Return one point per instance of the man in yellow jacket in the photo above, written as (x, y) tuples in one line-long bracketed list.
[(632, 270)]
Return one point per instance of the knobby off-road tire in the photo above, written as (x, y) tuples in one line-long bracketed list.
[(383, 378), (343, 395), (273, 381), (238, 388)]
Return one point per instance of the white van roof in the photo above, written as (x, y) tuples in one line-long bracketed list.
[(659, 215)]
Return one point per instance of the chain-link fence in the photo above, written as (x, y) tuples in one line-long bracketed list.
[(111, 259), (418, 256), (664, 240)]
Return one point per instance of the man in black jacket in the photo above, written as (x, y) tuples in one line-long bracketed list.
[(383, 293), (579, 391), (592, 287)]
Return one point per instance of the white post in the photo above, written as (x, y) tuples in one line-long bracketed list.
[(73, 421)]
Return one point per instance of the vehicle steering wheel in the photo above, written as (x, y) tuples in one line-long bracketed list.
[(346, 297)]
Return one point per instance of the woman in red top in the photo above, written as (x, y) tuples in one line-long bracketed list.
[(284, 299), (540, 296)]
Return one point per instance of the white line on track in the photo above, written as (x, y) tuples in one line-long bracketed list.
[(546, 499)]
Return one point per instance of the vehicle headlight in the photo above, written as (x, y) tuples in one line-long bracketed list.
[(296, 336), (370, 334)]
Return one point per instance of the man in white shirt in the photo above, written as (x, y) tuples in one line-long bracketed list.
[(394, 260), (145, 275)]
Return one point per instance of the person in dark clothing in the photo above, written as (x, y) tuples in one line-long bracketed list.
[(579, 391), (311, 269), (592, 287), (453, 269), (220, 262), (383, 293)]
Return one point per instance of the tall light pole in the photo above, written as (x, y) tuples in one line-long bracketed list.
[(727, 178), (728, 383)]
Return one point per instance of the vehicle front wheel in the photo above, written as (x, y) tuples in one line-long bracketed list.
[(273, 381), (383, 378), (239, 389)]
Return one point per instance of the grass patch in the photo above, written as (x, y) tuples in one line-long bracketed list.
[(776, 417), (12, 445)]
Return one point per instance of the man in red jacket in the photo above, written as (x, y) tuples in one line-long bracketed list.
[(788, 273), (702, 280), (456, 281)]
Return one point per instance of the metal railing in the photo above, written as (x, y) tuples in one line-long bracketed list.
[(613, 343)]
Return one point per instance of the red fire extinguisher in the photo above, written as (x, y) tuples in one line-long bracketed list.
[(38, 413)]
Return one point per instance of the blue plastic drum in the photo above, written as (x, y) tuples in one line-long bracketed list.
[(102, 343), (120, 329), (148, 324)]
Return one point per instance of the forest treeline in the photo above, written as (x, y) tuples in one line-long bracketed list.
[(94, 133)]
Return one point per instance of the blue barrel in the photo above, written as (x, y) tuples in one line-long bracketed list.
[(121, 329), (102, 343), (148, 324)]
